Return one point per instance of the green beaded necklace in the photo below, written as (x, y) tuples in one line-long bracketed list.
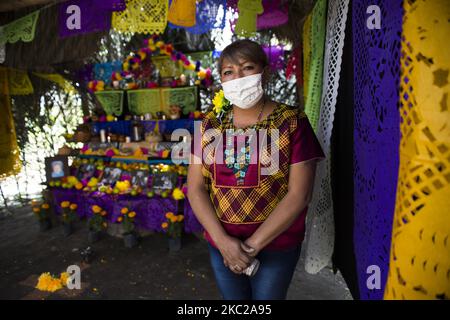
[(240, 163)]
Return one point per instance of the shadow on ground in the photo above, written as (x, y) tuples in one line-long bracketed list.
[(148, 271)]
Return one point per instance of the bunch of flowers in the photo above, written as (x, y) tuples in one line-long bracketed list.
[(178, 194), (173, 225), (97, 222), (41, 211), (47, 282), (69, 212), (127, 219), (96, 85), (123, 186), (221, 104)]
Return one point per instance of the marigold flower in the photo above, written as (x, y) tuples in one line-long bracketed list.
[(65, 204), (45, 206), (180, 218), (43, 281), (96, 209), (219, 101), (103, 213), (36, 210), (177, 194), (132, 214), (173, 219), (64, 277), (73, 206), (169, 215), (119, 219), (54, 285), (124, 210), (165, 225), (47, 283)]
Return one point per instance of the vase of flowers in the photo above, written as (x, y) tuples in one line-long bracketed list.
[(42, 213), (127, 219), (173, 226), (96, 224), (68, 217)]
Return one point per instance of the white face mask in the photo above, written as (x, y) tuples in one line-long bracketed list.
[(244, 92)]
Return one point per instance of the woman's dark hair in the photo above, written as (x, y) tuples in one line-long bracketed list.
[(243, 49)]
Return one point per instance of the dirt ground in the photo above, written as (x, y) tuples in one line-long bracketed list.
[(148, 271)]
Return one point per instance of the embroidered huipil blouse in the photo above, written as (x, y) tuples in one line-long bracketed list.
[(245, 193)]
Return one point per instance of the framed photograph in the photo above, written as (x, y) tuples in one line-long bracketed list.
[(106, 175), (139, 178), (86, 171), (114, 175), (56, 168), (165, 180)]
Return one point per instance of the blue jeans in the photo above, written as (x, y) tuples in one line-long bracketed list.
[(271, 282)]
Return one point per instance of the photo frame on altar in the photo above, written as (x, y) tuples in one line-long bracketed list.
[(56, 167), (105, 175), (165, 180), (110, 175), (115, 175), (86, 171), (139, 178)]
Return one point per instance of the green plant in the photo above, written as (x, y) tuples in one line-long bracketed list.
[(69, 214), (41, 211), (173, 225), (97, 222), (127, 220)]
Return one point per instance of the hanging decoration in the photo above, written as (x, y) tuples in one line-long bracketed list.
[(19, 82), (207, 15), (294, 66), (306, 53), (275, 55), (248, 11), (419, 265), (275, 14), (316, 44), (376, 138), (85, 16), (9, 150), (59, 80), (112, 5), (21, 29), (182, 13), (142, 16), (319, 243), (232, 4)]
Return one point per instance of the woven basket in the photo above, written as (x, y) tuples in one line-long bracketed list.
[(111, 101)]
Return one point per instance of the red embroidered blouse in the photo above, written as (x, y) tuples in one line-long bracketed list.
[(243, 206)]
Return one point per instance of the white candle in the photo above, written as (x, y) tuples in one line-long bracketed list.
[(102, 136), (136, 133)]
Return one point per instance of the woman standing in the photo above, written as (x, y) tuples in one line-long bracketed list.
[(252, 202)]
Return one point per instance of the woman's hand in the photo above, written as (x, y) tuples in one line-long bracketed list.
[(251, 248), (234, 257)]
